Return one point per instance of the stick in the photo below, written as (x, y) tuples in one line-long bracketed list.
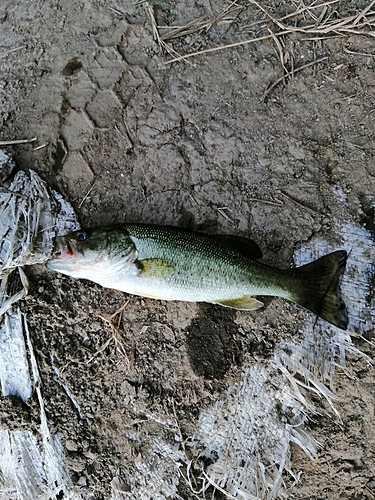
[(302, 205), (363, 13), (19, 141), (40, 147), (4, 54), (229, 46), (87, 194), (358, 53), (277, 203)]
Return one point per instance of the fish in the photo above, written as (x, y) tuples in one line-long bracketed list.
[(170, 263)]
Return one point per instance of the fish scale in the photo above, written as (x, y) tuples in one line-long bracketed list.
[(202, 268)]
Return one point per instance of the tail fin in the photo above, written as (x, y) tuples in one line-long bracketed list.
[(319, 288)]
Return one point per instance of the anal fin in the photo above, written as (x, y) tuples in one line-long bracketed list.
[(246, 302)]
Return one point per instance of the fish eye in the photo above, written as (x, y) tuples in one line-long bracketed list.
[(82, 235)]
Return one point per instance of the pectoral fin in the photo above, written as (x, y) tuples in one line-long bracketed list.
[(155, 268), (246, 302)]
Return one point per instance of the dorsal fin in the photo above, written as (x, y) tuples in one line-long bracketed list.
[(246, 247)]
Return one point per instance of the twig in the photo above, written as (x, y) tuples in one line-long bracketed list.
[(87, 194), (64, 367), (200, 24), (194, 200), (178, 426), (4, 54), (119, 310), (228, 46), (273, 19), (289, 74), (156, 35), (280, 52), (370, 491), (322, 15), (277, 203), (100, 350), (317, 38), (364, 12), (302, 10), (300, 204), (40, 147), (117, 11), (222, 211), (19, 141), (358, 53)]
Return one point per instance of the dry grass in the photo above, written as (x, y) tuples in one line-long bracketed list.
[(114, 321), (317, 21), (155, 32), (202, 24), (326, 23)]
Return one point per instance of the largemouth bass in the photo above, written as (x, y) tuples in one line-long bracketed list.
[(168, 263)]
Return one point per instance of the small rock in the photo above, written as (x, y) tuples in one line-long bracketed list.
[(82, 481), (71, 445), (119, 485)]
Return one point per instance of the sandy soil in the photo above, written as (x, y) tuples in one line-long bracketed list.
[(199, 145)]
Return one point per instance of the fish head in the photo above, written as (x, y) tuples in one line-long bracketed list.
[(93, 254)]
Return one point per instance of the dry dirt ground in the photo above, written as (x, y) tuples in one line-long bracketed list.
[(208, 144)]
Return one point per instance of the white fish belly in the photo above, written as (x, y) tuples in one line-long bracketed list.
[(177, 287)]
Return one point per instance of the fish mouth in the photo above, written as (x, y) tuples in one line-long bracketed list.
[(63, 248), (63, 256)]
